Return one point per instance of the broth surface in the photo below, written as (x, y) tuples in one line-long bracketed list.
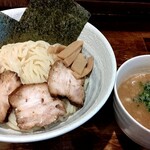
[(130, 89)]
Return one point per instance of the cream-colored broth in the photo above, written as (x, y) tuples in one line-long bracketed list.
[(127, 91)]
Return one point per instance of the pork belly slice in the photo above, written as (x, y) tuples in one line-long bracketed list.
[(61, 82), (34, 106), (9, 81)]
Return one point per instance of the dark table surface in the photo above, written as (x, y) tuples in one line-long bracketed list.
[(101, 132)]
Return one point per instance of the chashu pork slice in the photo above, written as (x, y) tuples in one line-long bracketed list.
[(9, 81), (34, 106), (61, 82)]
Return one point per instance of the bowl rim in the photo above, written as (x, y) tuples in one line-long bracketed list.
[(45, 135), (116, 91)]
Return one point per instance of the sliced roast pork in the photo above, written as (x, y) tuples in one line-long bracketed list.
[(34, 106), (61, 82), (9, 81)]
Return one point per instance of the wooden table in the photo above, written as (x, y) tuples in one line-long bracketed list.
[(101, 132)]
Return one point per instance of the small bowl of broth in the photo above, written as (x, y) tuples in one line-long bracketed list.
[(132, 99)]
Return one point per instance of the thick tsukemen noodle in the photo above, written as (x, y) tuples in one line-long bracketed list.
[(30, 60)]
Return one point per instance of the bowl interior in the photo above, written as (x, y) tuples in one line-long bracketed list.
[(101, 83)]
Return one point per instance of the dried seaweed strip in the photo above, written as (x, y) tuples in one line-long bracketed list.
[(7, 25), (54, 21)]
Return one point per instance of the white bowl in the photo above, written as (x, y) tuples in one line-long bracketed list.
[(101, 84), (133, 129)]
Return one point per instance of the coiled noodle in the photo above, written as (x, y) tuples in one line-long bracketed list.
[(30, 60)]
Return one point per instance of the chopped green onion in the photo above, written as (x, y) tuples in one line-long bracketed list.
[(144, 96)]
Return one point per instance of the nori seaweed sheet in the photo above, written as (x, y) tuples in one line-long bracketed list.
[(54, 21), (7, 25)]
